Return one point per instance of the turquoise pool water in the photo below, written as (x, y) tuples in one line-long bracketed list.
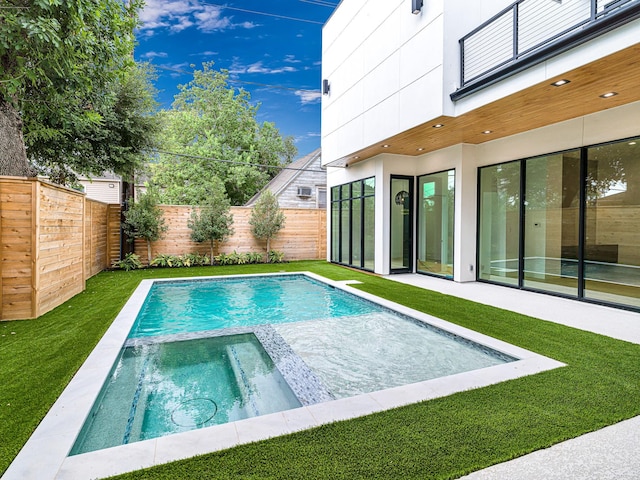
[(206, 352), (164, 388), (191, 306)]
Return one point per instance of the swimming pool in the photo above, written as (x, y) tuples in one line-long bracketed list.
[(46, 453)]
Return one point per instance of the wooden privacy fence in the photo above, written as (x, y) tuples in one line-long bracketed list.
[(302, 238), (52, 239)]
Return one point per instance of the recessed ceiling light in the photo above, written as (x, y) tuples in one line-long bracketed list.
[(356, 157), (561, 82), (632, 143), (420, 149), (438, 125), (487, 132), (386, 146), (608, 94)]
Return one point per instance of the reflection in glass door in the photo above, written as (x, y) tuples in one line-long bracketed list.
[(401, 223), (435, 223), (612, 223), (551, 223)]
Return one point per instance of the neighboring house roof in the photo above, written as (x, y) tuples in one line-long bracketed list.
[(288, 175)]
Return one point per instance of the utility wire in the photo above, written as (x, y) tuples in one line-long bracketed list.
[(262, 13), (281, 167), (321, 3), (232, 80)]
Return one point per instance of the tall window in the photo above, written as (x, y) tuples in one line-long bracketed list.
[(551, 222), (612, 223), (435, 223), (401, 223), (353, 224), (565, 223), (499, 209)]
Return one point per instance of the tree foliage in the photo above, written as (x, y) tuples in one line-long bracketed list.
[(144, 219), (212, 222), (215, 129), (266, 218), (66, 67), (119, 142)]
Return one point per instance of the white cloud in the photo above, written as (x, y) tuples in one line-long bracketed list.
[(309, 96), (210, 19), (291, 59), (257, 67), (155, 55), (178, 15)]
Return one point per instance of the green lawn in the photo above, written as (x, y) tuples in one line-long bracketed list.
[(442, 438)]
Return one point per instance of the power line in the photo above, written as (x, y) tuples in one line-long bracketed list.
[(321, 3), (262, 13), (232, 80), (281, 167)]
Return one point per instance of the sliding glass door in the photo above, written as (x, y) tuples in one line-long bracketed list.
[(564, 223), (401, 223), (612, 223), (499, 226), (435, 220), (551, 223)]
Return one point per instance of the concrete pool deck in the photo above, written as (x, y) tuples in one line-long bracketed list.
[(612, 453)]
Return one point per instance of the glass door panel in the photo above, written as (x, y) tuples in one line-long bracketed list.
[(552, 223), (401, 223), (499, 225), (612, 223), (435, 224), (369, 230)]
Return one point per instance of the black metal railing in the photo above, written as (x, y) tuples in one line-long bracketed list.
[(526, 27)]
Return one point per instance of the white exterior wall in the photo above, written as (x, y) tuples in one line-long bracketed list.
[(384, 67), (390, 70), (107, 191), (609, 125)]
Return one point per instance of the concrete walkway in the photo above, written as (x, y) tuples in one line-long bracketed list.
[(612, 453)]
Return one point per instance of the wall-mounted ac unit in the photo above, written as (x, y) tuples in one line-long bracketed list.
[(304, 191)]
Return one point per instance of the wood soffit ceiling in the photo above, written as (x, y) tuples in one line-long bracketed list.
[(537, 106)]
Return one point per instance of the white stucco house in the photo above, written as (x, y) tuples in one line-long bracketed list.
[(487, 140)]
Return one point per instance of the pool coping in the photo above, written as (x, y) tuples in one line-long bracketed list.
[(44, 456)]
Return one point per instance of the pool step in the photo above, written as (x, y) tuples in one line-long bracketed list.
[(242, 358)]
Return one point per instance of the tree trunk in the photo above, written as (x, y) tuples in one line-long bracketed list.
[(268, 245), (211, 252), (149, 252), (13, 155)]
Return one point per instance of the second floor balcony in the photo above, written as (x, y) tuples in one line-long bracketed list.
[(531, 31)]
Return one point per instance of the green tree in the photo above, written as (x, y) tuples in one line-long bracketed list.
[(212, 221), (266, 219), (214, 129), (144, 219), (59, 64), (119, 143)]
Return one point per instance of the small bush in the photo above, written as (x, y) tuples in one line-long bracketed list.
[(195, 260), (131, 261), (275, 256)]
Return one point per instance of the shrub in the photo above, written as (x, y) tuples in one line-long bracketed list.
[(275, 256), (131, 261)]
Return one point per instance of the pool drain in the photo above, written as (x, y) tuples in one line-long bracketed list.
[(194, 412)]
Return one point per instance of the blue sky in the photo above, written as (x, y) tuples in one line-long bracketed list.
[(267, 50)]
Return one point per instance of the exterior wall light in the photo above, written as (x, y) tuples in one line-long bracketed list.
[(326, 88), (416, 6)]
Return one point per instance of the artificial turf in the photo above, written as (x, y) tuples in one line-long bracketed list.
[(442, 438)]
